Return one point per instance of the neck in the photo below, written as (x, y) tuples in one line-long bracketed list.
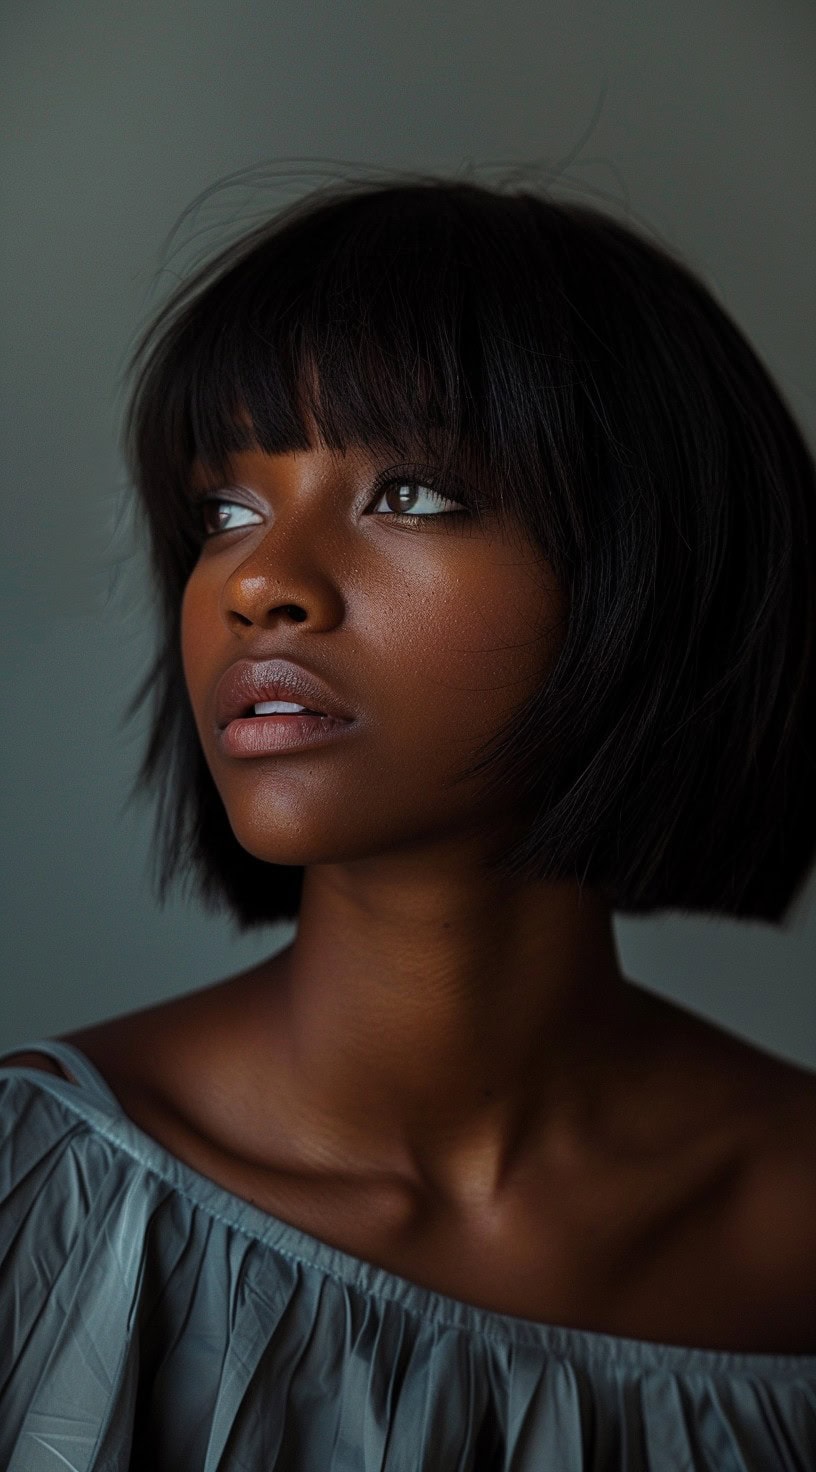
[(436, 1025)]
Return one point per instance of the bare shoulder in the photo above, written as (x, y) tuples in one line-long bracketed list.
[(782, 1180), (105, 1043), (168, 1048), (137, 1044), (757, 1111), (39, 1061), (772, 1101), (179, 1071), (772, 1232), (138, 1048)]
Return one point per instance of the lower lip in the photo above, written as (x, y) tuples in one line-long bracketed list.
[(265, 735)]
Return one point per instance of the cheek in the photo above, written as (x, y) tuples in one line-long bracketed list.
[(195, 641), (463, 656), (187, 624)]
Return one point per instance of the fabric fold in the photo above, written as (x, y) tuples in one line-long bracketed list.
[(149, 1318)]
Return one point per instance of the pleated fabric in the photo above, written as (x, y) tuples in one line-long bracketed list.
[(150, 1319)]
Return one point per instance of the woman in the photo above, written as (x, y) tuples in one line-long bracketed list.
[(484, 548)]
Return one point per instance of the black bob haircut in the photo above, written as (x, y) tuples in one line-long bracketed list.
[(602, 400)]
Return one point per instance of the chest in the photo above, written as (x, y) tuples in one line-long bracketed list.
[(645, 1254), (668, 1271)]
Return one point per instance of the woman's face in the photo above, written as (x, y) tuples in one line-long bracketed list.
[(430, 632)]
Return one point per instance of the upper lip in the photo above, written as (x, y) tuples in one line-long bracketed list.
[(249, 681)]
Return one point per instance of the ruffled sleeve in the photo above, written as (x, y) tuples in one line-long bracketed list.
[(69, 1284)]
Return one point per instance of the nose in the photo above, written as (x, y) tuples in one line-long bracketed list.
[(267, 588), (289, 563)]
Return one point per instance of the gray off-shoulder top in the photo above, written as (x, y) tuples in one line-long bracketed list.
[(151, 1320)]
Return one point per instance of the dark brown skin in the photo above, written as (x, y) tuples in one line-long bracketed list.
[(445, 1075)]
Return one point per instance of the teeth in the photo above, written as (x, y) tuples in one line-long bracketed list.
[(276, 707)]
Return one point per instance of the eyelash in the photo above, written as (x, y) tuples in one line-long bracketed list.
[(202, 498)]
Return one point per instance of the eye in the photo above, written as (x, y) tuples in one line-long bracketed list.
[(205, 503), (408, 492), (404, 490)]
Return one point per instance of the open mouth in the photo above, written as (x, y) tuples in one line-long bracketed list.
[(276, 708), (267, 733)]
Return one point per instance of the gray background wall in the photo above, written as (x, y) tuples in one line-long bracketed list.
[(115, 118)]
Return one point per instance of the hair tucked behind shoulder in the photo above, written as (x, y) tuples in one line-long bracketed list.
[(603, 400)]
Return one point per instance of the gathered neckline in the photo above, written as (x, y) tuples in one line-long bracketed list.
[(91, 1097)]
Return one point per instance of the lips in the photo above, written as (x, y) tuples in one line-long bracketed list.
[(249, 681)]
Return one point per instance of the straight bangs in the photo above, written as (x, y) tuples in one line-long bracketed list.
[(398, 321)]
